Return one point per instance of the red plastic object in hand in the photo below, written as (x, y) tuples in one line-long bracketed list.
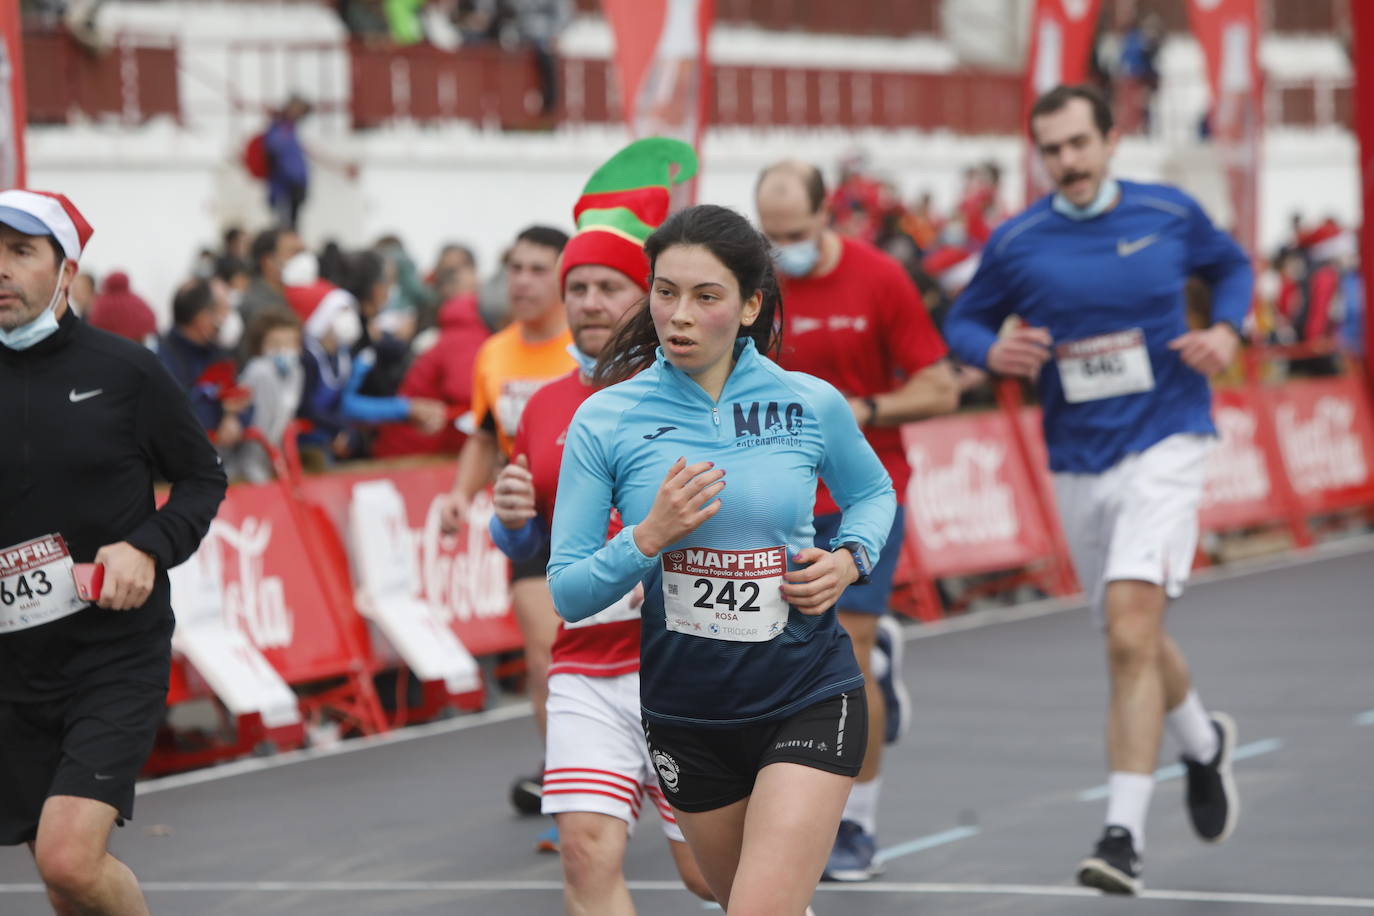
[(89, 578)]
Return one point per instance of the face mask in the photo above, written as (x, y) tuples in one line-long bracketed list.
[(797, 259), (302, 270), (284, 361), (231, 331), (40, 328), (1106, 196), (586, 364), (347, 328)]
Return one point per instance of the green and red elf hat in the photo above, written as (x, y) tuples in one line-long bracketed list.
[(623, 202)]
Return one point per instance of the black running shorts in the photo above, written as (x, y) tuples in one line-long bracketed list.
[(90, 744), (536, 567), (701, 769)]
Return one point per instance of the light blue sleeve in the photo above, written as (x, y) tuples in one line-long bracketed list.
[(522, 543), (855, 476), (587, 573), (972, 324), (365, 408)]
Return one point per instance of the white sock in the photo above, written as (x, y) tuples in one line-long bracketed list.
[(1128, 801), (1191, 729), (862, 806)]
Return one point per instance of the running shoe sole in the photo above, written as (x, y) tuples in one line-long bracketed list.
[(1227, 726), (1098, 873), (894, 676)]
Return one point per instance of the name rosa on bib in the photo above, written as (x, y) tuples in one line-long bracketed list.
[(727, 564)]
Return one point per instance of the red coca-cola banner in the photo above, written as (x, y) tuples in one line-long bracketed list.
[(970, 506), (1228, 31), (1061, 37), (1242, 473), (464, 575), (1326, 435), (12, 98), (272, 590)]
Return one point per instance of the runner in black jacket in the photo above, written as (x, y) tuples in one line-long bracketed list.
[(89, 422)]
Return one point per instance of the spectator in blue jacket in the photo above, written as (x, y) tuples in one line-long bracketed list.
[(192, 347), (288, 176)]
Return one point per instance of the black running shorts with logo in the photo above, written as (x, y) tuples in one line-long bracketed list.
[(701, 769), (536, 567), (90, 744)]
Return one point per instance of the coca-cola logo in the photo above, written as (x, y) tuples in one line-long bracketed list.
[(254, 602), (464, 576), (1236, 472), (964, 502), (1323, 452)]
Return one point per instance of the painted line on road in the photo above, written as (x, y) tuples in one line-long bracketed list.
[(1175, 770), (1365, 718), (921, 844), (871, 887)]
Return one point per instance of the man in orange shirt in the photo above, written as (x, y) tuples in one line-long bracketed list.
[(511, 366)]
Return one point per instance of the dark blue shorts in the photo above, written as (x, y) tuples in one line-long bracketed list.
[(873, 597)]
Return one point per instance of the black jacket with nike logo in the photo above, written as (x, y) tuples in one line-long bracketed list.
[(88, 422)]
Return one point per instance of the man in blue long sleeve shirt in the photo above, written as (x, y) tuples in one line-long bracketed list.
[(1096, 274)]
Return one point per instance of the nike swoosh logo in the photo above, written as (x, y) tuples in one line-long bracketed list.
[(661, 431), (1126, 249), (78, 398), (102, 777)]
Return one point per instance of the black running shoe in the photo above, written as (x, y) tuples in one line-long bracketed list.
[(527, 794), (1213, 805), (1113, 868)]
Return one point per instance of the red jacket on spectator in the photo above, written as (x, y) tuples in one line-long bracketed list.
[(443, 372), (117, 310)]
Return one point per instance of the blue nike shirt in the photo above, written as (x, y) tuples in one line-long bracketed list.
[(1103, 279), (719, 645)]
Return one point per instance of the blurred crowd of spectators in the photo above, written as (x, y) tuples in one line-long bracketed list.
[(370, 353), (373, 352)]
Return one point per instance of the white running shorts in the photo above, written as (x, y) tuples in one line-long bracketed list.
[(595, 756), (1137, 519)]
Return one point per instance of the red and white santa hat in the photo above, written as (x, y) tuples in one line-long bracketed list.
[(46, 213)]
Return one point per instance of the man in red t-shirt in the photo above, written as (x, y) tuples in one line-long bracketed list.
[(853, 317), (597, 766)]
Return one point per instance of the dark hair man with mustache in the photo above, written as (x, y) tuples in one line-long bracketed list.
[(1096, 274)]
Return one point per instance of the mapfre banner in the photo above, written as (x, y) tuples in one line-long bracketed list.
[(1061, 37), (663, 69), (13, 113), (1228, 31)]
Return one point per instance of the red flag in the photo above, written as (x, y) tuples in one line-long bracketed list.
[(663, 68), (1061, 40), (1362, 20), (13, 116), (1228, 31)]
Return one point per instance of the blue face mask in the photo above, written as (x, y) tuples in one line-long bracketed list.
[(40, 328), (285, 362), (1106, 196), (797, 259), (587, 364)]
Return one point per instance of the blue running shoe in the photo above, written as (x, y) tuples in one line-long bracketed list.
[(548, 840), (853, 858), (896, 701)]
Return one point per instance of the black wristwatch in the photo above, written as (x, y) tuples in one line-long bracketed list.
[(861, 561)]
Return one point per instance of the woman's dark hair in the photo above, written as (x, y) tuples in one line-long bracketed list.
[(734, 242)]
